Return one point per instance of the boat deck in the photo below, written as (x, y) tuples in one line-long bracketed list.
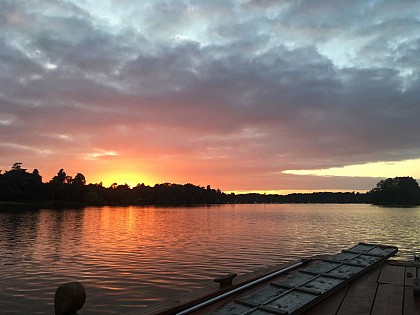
[(386, 289)]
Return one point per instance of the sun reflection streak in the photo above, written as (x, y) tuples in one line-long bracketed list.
[(135, 255)]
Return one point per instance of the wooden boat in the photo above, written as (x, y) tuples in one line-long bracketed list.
[(359, 280)]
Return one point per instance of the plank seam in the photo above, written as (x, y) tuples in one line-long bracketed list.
[(374, 297), (342, 300)]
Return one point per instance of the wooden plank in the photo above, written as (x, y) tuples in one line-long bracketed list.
[(392, 274), (180, 302), (329, 305), (411, 302), (410, 274), (356, 298), (389, 300), (371, 276), (359, 299)]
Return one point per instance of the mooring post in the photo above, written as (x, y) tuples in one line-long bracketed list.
[(225, 281), (69, 298)]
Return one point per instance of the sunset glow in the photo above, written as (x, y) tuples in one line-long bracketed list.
[(240, 95), (123, 178), (378, 170)]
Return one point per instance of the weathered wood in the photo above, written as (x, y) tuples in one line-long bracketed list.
[(359, 299), (330, 305), (379, 291), (371, 276), (392, 274), (416, 287), (226, 280), (215, 306), (411, 302), (389, 300), (178, 303), (410, 274)]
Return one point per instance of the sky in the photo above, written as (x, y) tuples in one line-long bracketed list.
[(242, 95)]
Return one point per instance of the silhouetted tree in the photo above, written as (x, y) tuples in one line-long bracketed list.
[(56, 186), (60, 177), (396, 191), (75, 188), (95, 194), (68, 180), (17, 166), (20, 186), (79, 179), (35, 172)]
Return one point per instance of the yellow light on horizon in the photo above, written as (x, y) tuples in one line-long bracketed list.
[(121, 178), (377, 169)]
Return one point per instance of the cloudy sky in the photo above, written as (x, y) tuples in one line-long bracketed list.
[(268, 95)]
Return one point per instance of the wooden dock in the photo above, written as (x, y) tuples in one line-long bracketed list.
[(385, 289)]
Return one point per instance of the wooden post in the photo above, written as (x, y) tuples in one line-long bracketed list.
[(69, 298), (225, 281)]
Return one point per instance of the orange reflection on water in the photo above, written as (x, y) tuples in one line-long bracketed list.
[(120, 230), (55, 237), (130, 256)]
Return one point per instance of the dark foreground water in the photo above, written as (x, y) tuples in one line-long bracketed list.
[(130, 257)]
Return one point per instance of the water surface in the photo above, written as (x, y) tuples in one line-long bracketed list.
[(130, 257)]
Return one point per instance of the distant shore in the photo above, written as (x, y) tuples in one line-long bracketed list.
[(19, 187), (251, 198)]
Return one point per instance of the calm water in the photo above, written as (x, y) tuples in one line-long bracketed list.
[(130, 257)]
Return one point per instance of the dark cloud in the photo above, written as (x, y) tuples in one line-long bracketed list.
[(249, 88)]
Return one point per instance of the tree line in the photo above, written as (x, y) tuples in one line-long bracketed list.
[(396, 191), (20, 186)]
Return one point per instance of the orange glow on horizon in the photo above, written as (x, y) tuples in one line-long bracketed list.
[(121, 178)]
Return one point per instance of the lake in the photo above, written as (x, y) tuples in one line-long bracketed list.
[(130, 257)]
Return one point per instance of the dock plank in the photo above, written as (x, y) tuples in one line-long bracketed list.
[(411, 302), (380, 288), (330, 305), (371, 276), (392, 274), (410, 274), (359, 299), (389, 300)]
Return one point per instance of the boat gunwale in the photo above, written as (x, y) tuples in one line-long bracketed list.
[(191, 299)]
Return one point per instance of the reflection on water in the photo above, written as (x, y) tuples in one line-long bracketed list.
[(130, 257)]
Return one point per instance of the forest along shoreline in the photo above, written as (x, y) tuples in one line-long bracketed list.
[(18, 187)]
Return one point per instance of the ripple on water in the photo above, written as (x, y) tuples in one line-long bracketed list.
[(131, 257)]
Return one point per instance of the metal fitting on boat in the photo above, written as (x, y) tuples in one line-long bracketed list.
[(225, 281)]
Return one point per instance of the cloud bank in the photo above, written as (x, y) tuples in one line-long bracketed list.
[(230, 93)]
